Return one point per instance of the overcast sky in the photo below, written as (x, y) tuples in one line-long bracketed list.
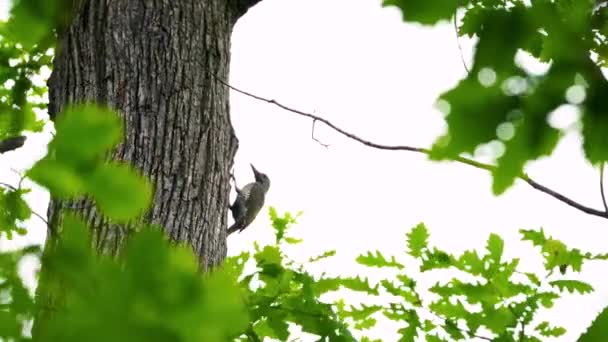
[(360, 66)]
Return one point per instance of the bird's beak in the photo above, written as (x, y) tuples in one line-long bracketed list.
[(255, 171)]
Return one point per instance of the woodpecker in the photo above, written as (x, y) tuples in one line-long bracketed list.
[(249, 201)]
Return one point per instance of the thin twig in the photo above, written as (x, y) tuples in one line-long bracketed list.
[(252, 335), (8, 186), (460, 159), (312, 135), (236, 187), (465, 331), (464, 64), (602, 187)]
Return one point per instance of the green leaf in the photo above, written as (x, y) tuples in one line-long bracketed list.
[(13, 212), (277, 322), (361, 313), (424, 12), (437, 259), (120, 192), (406, 290), (417, 240), (359, 284), (533, 278), (434, 338), (32, 21), (533, 139), (548, 331), (324, 255), (572, 286), (84, 133), (537, 238), (497, 320), (61, 180), (598, 329), (281, 224), (269, 259), (378, 260), (475, 113), (130, 300), (595, 121), (410, 333), (470, 262), (366, 323), (293, 241), (547, 299), (495, 247)]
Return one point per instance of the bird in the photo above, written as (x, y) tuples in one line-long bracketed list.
[(249, 201)]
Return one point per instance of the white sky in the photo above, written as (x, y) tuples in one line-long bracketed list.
[(360, 66)]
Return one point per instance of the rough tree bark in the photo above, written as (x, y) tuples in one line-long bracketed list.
[(154, 61)]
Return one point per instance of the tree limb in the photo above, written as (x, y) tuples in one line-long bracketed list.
[(460, 159), (242, 6), (11, 143), (602, 187)]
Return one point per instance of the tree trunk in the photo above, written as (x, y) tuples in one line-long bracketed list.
[(154, 62)]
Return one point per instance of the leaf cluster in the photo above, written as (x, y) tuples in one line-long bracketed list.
[(489, 298), (500, 103), (155, 292)]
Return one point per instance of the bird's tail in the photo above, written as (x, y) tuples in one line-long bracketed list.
[(235, 226)]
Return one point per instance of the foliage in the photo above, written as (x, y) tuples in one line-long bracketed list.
[(489, 297), (155, 294), (501, 102), (155, 291), (72, 169), (279, 292), (13, 209), (16, 300), (598, 329)]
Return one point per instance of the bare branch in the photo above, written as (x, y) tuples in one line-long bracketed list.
[(11, 143), (562, 198), (602, 187), (460, 159)]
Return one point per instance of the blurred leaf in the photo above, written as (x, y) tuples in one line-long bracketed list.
[(32, 21), (595, 118), (120, 192), (61, 180), (424, 12), (598, 330), (157, 294), (281, 225), (13, 212), (84, 133), (15, 298)]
